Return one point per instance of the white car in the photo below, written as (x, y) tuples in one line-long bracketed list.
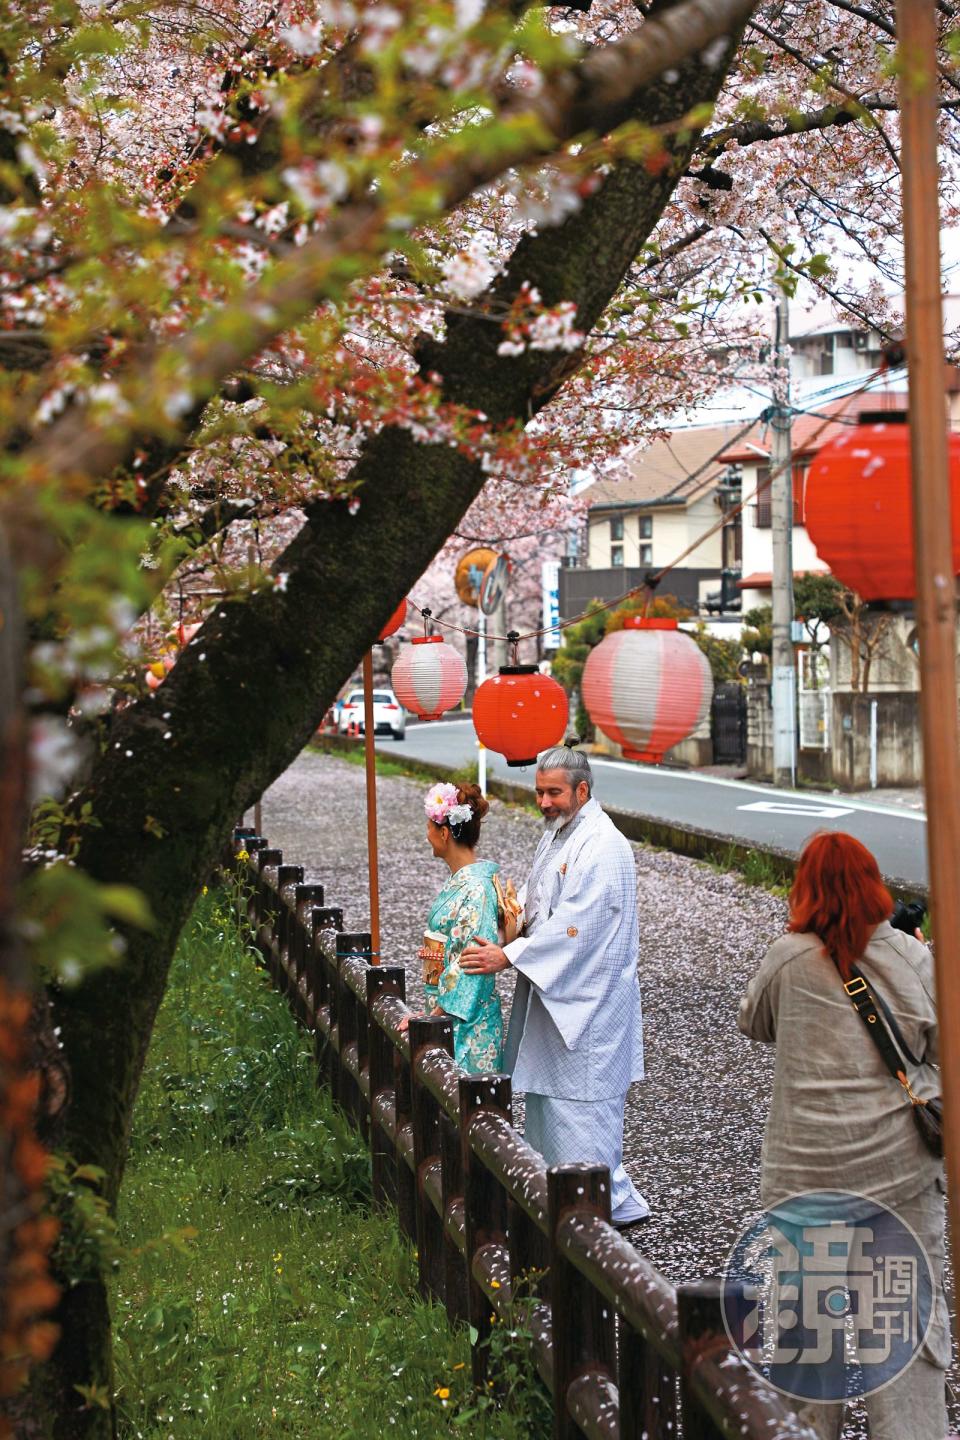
[(389, 717)]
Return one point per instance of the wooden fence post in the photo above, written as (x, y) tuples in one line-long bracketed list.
[(382, 980), (406, 1182), (451, 1188), (298, 945), (353, 945), (427, 1032), (287, 875), (648, 1390), (485, 1205), (700, 1317), (319, 983), (583, 1332), (245, 872), (262, 905)]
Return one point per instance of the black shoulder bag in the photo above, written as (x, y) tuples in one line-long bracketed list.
[(928, 1114)]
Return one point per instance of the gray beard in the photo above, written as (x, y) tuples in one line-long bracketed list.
[(552, 826)]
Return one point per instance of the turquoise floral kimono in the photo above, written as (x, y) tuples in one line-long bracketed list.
[(466, 908)]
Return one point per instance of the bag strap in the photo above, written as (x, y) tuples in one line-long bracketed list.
[(861, 998), (865, 1003)]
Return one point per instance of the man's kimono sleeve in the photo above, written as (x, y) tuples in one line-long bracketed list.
[(569, 954), (473, 916)]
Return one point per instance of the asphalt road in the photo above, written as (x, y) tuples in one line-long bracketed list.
[(757, 814)]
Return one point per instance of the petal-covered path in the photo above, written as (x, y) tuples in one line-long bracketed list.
[(694, 1126)]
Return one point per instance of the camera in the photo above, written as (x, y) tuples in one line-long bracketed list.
[(908, 916)]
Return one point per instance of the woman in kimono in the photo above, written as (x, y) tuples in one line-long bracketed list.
[(464, 910)]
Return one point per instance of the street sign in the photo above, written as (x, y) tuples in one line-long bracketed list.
[(493, 586), (550, 571)]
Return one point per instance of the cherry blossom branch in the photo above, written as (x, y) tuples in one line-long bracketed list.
[(871, 322), (801, 59), (595, 96)]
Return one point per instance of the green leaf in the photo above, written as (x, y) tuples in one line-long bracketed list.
[(93, 1173), (126, 904)]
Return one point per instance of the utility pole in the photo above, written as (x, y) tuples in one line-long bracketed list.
[(781, 530), (936, 604)]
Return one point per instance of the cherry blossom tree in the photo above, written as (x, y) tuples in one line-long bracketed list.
[(295, 295)]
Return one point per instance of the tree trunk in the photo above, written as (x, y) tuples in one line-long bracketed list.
[(24, 1328), (183, 763)]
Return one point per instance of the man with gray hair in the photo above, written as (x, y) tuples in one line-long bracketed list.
[(575, 1040)]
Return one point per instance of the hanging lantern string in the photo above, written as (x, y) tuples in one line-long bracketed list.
[(653, 579)]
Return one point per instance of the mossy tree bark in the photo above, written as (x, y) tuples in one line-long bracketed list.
[(182, 764)]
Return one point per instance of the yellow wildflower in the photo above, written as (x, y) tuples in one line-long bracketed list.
[(442, 1392)]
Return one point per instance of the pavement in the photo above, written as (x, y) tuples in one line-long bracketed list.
[(888, 822), (694, 1126)]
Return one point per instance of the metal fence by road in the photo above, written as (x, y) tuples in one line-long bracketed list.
[(624, 1354)]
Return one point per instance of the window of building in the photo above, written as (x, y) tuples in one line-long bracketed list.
[(616, 556), (646, 527), (616, 528), (762, 510), (761, 517), (646, 554)]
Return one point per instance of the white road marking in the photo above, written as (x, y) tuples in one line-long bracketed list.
[(656, 772), (789, 807)]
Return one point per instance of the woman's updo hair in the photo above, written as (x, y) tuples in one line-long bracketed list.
[(467, 832)]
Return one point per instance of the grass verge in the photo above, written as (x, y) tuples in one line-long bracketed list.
[(257, 1293)]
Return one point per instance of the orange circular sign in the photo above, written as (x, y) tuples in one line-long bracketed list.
[(470, 571)]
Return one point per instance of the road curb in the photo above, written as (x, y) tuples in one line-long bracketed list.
[(690, 840)]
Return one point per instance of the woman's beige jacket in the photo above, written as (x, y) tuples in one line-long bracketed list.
[(838, 1119)]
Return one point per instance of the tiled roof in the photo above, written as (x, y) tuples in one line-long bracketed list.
[(672, 470), (812, 431)]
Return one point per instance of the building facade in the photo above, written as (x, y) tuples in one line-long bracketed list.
[(664, 508)]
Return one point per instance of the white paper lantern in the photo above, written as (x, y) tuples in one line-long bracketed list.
[(429, 677), (647, 687)]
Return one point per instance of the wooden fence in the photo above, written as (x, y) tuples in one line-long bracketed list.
[(624, 1354)]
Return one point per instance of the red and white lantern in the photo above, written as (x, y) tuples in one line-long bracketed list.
[(520, 712), (429, 677), (647, 687)]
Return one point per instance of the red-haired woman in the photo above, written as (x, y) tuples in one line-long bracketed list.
[(839, 1120)]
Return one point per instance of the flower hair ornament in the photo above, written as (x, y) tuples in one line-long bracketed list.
[(443, 805)]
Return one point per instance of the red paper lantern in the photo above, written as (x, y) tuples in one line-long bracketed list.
[(520, 712), (859, 509), (647, 687), (185, 633), (429, 677), (396, 620)]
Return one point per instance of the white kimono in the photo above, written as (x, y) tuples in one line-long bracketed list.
[(575, 1041)]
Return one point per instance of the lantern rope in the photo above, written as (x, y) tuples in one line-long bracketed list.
[(654, 578)]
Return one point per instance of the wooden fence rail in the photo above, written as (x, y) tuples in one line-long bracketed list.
[(624, 1354)]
